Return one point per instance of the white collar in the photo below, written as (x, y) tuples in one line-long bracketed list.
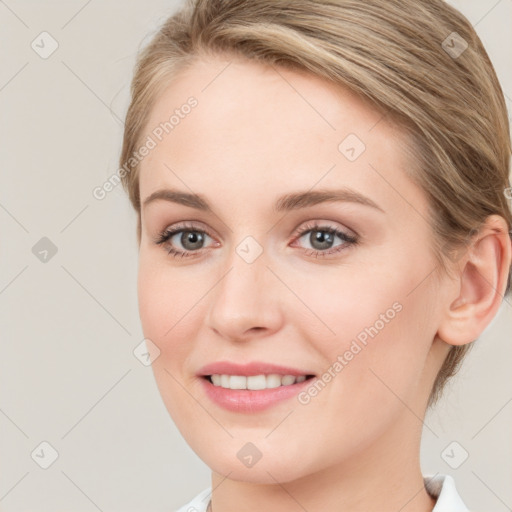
[(440, 487)]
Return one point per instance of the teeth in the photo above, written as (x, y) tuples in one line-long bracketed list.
[(255, 382), (273, 380), (286, 380), (237, 382)]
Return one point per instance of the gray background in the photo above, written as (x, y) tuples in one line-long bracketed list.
[(69, 325)]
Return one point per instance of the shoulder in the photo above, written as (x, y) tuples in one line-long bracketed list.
[(442, 487), (199, 503)]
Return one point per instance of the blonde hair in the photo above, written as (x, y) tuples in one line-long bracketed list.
[(406, 57)]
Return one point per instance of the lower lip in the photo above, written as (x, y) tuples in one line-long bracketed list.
[(248, 400)]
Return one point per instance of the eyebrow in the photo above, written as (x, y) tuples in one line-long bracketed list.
[(293, 201)]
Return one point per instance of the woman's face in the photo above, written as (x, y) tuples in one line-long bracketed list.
[(269, 272)]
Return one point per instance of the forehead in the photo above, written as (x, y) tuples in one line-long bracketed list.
[(232, 91), (257, 125)]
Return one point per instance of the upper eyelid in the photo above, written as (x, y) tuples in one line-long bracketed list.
[(323, 225), (311, 224)]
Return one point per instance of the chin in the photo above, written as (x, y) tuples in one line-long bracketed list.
[(268, 465)]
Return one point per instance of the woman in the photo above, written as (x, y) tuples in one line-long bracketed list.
[(321, 188)]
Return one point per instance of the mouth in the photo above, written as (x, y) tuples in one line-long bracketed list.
[(255, 382), (253, 386)]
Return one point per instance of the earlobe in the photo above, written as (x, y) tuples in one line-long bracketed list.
[(480, 285)]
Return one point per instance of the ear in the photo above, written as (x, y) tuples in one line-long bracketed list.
[(477, 292)]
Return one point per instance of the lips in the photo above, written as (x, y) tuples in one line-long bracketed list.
[(237, 387)]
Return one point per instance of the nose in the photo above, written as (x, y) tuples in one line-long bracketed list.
[(245, 303)]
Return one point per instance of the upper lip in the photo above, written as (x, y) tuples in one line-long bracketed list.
[(252, 368)]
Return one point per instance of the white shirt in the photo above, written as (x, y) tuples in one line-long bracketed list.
[(441, 487)]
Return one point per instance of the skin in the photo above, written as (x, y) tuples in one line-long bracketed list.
[(258, 133)]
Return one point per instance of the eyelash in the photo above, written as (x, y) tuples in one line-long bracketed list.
[(348, 240)]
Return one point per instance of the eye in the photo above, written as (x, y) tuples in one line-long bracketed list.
[(321, 239), (189, 237), (192, 239)]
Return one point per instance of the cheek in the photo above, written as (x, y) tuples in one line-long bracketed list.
[(163, 306), (380, 332), (167, 309), (153, 302), (388, 352)]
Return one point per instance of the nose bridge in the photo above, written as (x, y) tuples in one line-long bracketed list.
[(244, 297)]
